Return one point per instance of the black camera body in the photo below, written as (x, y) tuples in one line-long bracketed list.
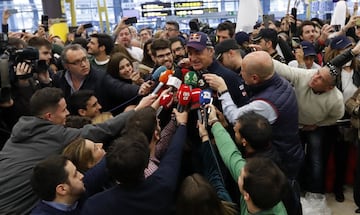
[(10, 57)]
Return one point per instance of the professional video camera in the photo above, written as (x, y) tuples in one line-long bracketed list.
[(196, 26), (10, 57)]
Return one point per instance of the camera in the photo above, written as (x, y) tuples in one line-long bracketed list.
[(10, 57)]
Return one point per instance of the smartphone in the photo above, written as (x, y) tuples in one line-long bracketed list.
[(267, 19), (12, 11), (45, 22), (88, 25), (131, 20), (295, 42), (336, 28)]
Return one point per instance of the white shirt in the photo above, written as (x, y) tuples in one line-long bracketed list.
[(348, 87), (136, 53)]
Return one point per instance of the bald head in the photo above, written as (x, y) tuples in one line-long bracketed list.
[(259, 63)]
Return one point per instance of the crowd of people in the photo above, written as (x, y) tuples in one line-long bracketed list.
[(168, 123)]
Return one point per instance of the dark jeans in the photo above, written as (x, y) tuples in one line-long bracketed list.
[(314, 168), (338, 138)]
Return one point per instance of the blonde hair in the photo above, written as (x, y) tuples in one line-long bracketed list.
[(81, 157), (102, 118)]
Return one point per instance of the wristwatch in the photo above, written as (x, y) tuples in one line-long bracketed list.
[(222, 93)]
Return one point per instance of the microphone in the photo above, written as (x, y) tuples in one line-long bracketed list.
[(173, 82), (191, 79), (183, 96), (205, 98), (162, 80), (195, 102), (156, 74), (165, 102), (183, 72)]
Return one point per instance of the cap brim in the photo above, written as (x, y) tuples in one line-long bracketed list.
[(196, 46), (310, 54), (255, 39)]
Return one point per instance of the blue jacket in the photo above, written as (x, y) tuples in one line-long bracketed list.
[(155, 195), (233, 81), (280, 95), (110, 92)]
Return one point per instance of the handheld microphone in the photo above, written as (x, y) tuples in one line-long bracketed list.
[(165, 102), (162, 80), (184, 97), (191, 79), (156, 74), (205, 97), (195, 102), (195, 98), (173, 82), (183, 72)]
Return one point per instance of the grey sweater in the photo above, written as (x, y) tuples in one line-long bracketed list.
[(32, 140)]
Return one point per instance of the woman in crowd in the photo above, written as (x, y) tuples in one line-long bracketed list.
[(148, 62), (347, 82), (84, 153)]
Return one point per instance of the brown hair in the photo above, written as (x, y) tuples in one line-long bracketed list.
[(80, 156), (113, 65), (197, 196), (118, 48)]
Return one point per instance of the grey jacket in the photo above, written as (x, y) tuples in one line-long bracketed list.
[(32, 140)]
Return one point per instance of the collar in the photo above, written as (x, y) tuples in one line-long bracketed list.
[(100, 63), (263, 85), (61, 206), (69, 81)]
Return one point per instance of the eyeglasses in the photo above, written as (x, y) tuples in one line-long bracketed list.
[(178, 49), (169, 29), (162, 56), (78, 62)]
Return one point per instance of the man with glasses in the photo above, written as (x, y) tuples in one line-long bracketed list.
[(228, 53), (79, 75), (178, 49), (172, 29), (160, 49), (201, 56)]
